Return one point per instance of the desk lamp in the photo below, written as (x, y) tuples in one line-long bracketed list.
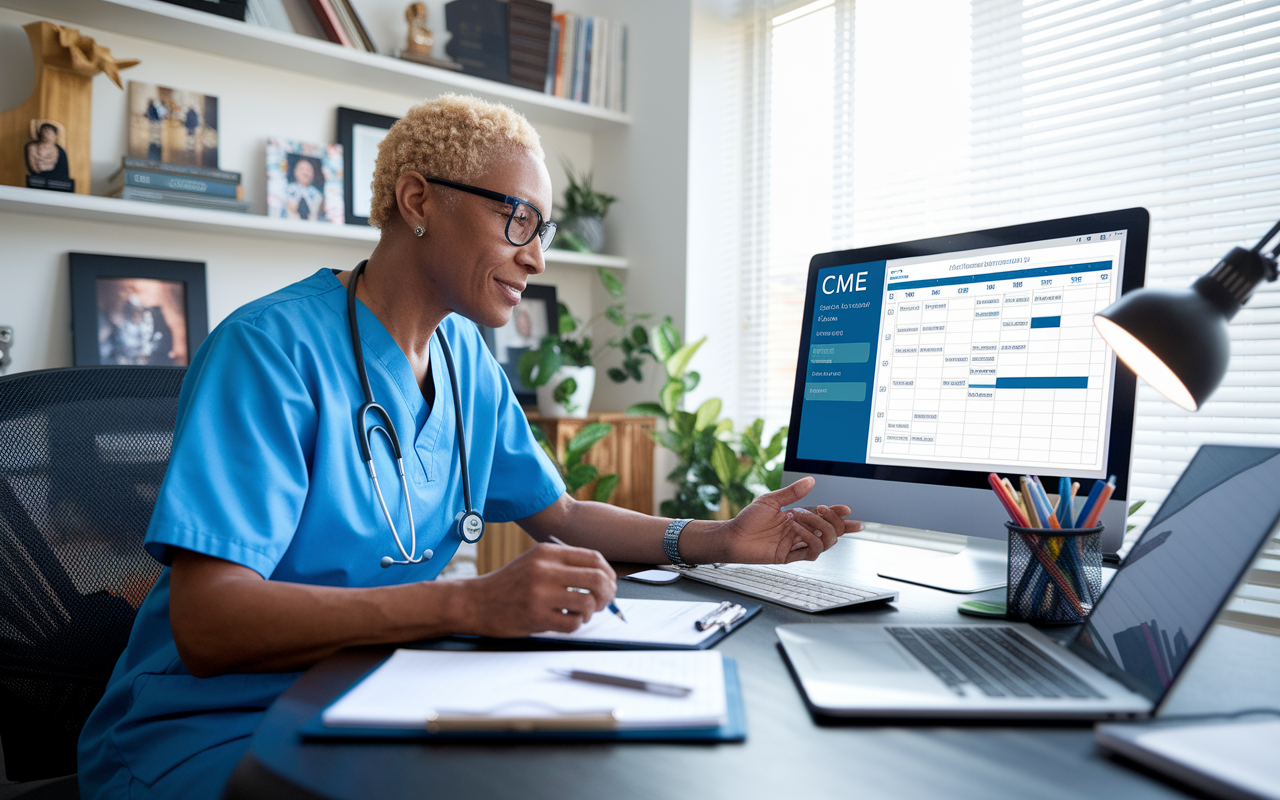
[(1176, 339)]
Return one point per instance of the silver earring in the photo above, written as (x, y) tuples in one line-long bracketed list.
[(418, 231)]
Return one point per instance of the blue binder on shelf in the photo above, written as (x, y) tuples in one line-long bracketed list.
[(732, 728)]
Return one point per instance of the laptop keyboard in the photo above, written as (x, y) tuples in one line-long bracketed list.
[(997, 660), (785, 588)]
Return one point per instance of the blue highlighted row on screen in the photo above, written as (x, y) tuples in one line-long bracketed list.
[(843, 353), (1035, 383), (992, 277), (854, 392), (1046, 322)]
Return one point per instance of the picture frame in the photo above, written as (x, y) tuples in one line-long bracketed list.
[(537, 315), (305, 181), (359, 134), (138, 311)]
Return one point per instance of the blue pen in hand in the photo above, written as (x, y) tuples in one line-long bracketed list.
[(613, 606)]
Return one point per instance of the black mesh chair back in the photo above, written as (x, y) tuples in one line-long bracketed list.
[(82, 455)]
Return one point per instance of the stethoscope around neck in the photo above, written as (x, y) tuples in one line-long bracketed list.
[(469, 523)]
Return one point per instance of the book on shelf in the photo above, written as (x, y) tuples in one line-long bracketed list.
[(175, 183), (528, 37), (589, 59), (352, 26), (553, 52), (268, 14), (235, 9), (479, 38), (327, 16), (181, 199), (204, 173)]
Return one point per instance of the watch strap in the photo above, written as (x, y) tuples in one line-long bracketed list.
[(671, 541)]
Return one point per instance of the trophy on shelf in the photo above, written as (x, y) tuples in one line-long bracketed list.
[(418, 48)]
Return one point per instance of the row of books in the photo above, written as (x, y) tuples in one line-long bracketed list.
[(588, 60), (177, 184), (341, 24)]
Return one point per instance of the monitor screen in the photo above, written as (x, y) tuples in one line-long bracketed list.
[(942, 360), (1184, 567)]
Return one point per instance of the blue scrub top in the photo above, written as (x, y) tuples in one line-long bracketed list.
[(266, 472)]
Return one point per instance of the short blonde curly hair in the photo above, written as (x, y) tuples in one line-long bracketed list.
[(451, 137)]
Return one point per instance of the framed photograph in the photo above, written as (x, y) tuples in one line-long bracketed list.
[(304, 181), (173, 125), (359, 134), (140, 311), (537, 315)]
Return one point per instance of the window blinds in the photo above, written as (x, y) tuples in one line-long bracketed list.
[(948, 116)]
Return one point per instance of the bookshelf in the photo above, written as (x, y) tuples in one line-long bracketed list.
[(208, 33), (18, 200)]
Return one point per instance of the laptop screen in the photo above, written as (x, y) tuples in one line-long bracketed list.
[(1185, 566)]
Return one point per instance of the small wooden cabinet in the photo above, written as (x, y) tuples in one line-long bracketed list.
[(628, 451)]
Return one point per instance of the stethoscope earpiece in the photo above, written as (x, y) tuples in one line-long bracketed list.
[(469, 523)]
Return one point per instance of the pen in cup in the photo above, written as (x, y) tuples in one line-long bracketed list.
[(613, 606)]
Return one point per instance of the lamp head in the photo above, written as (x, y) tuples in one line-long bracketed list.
[(1177, 340)]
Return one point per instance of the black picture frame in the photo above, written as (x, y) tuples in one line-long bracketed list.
[(125, 309), (356, 153), (508, 348)]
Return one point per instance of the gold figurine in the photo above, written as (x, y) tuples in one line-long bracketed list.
[(421, 41)]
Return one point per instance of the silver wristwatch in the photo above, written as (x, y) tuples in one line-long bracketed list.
[(671, 541)]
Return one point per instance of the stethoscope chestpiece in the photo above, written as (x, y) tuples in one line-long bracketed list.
[(470, 526)]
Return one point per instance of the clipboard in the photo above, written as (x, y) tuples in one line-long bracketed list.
[(733, 730)]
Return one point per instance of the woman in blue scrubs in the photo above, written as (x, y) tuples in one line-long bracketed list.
[(267, 519)]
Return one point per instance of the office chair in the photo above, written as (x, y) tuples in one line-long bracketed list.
[(82, 454)]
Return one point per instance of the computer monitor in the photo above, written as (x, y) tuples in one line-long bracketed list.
[(926, 365)]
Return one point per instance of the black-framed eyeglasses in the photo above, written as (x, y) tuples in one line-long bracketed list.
[(522, 227)]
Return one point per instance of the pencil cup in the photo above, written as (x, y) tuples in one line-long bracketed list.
[(1055, 575)]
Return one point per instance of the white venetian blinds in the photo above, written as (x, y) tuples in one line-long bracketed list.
[(882, 120)]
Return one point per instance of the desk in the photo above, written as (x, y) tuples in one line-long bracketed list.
[(786, 755)]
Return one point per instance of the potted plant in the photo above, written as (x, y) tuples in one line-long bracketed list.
[(575, 473), (581, 226), (561, 368), (719, 471)]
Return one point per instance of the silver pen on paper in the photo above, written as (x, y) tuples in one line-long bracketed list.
[(654, 687)]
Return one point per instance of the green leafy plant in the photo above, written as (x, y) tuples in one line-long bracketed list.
[(1133, 509), (575, 346), (575, 473), (719, 471), (569, 345), (580, 199)]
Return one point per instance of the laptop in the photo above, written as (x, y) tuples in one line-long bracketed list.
[(1123, 662)]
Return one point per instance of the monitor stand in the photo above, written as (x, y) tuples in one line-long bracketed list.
[(982, 565)]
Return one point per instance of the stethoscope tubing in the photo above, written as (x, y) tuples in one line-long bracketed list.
[(388, 430)]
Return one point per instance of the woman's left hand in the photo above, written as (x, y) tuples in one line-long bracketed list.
[(765, 533)]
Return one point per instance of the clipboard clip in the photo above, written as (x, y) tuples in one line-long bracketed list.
[(725, 615), (450, 721)]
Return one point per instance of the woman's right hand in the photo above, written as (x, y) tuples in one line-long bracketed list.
[(533, 593)]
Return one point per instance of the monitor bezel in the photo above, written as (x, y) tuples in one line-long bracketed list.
[(1135, 222)]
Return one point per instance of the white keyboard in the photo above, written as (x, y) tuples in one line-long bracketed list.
[(768, 582)]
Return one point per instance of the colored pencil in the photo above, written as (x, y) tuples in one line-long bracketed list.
[(1033, 518), (1089, 502), (1103, 497)]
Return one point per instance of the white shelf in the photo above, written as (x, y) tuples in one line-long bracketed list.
[(210, 33), (19, 200)]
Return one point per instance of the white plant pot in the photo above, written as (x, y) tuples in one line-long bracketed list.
[(579, 401)]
